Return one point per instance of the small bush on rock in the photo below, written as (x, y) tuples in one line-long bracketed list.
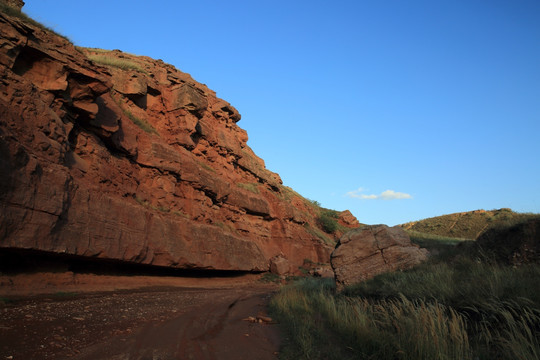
[(328, 221)]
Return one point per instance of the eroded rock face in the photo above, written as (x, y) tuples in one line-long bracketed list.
[(141, 164), (363, 253)]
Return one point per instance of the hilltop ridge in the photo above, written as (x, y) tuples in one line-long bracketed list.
[(465, 225)]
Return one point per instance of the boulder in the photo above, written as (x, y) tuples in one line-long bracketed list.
[(279, 265), (366, 252)]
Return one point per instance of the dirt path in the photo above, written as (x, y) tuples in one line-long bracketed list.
[(151, 323)]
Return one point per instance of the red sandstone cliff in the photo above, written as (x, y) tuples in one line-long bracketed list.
[(136, 162)]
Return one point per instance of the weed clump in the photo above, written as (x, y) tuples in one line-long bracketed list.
[(143, 124), (123, 64), (252, 187)]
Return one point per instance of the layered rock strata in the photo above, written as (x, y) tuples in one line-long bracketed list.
[(108, 155)]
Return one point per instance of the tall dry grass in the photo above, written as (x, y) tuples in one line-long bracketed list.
[(466, 308), (323, 326), (107, 60)]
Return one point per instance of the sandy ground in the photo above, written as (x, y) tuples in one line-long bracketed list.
[(83, 316)]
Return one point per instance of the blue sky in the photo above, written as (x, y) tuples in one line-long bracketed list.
[(395, 110)]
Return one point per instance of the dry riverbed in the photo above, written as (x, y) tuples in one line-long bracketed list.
[(174, 318)]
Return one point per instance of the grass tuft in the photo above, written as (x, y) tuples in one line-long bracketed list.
[(141, 123), (181, 214), (319, 234), (205, 166), (269, 278), (249, 186), (94, 50), (123, 64)]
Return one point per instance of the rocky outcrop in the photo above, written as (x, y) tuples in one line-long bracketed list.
[(114, 156), (363, 253)]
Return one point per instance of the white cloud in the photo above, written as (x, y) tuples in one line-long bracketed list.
[(394, 195), (385, 195)]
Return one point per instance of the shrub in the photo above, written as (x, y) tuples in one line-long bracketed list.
[(314, 203), (328, 221), (269, 278)]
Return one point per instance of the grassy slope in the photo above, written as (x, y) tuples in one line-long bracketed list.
[(467, 225), (21, 15), (456, 306)]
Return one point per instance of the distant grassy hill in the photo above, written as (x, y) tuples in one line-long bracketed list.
[(465, 225)]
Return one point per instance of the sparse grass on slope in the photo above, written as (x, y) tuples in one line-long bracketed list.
[(108, 60), (439, 246), (467, 225), (252, 187), (141, 123), (8, 10), (452, 307), (94, 50)]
